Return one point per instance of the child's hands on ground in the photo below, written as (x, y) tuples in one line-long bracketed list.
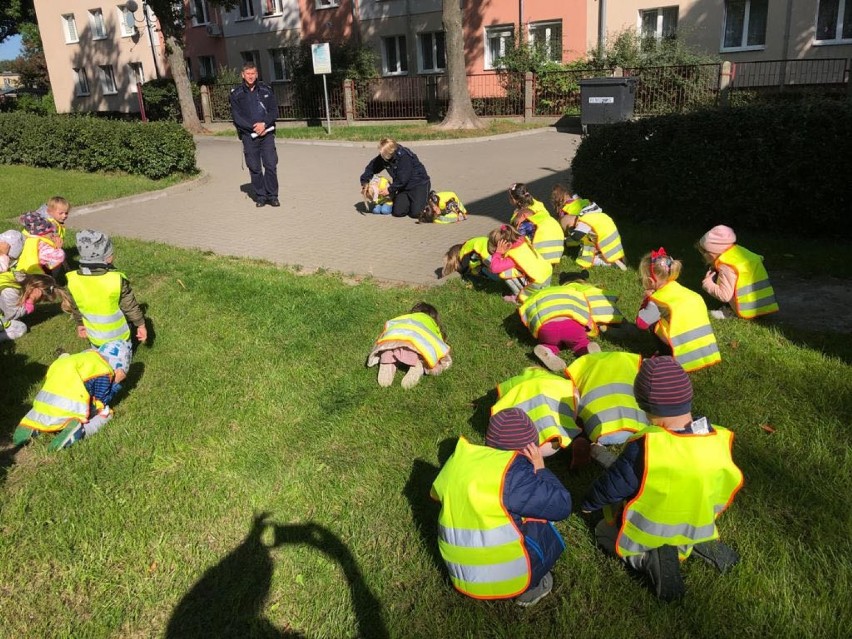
[(81, 332), (142, 333), (533, 453)]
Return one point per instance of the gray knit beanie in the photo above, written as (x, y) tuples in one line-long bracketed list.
[(94, 247)]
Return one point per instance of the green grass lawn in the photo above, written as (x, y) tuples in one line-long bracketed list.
[(253, 401), (404, 132)]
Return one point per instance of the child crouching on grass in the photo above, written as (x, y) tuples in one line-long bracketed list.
[(511, 250), (74, 400), (42, 251), (414, 341), (586, 224), (473, 258), (18, 297)]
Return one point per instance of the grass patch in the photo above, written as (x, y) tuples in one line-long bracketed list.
[(254, 401), (78, 187), (402, 132)]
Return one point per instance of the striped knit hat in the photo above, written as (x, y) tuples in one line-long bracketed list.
[(662, 388), (510, 429)]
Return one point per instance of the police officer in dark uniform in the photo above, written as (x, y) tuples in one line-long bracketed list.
[(411, 183), (254, 109)]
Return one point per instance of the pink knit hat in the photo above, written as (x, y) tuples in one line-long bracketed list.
[(718, 239)]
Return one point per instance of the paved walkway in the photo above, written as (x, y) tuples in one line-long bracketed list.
[(319, 224)]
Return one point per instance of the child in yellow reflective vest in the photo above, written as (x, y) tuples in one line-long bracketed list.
[(56, 212), (511, 250), (376, 197), (443, 207), (19, 294), (42, 251), (520, 198), (736, 276), (414, 341)]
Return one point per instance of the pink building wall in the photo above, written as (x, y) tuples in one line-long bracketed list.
[(326, 24)]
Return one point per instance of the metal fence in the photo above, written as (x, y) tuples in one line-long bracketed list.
[(675, 89)]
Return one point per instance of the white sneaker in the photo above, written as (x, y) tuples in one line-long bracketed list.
[(593, 347), (719, 314), (532, 596), (551, 362)]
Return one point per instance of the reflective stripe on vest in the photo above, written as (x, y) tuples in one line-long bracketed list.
[(97, 297), (601, 303), (63, 396), (546, 398), (444, 197), (536, 268), (689, 480), (753, 294), (687, 329), (421, 332), (479, 542), (8, 280), (605, 385), (549, 238), (554, 302), (606, 242)]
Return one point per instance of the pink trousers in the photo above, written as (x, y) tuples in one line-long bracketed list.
[(564, 332)]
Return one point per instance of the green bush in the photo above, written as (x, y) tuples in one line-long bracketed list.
[(767, 167), (161, 100), (154, 150)]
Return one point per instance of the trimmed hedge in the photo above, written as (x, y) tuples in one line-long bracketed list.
[(155, 150), (770, 167)]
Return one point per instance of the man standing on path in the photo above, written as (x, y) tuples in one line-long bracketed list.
[(254, 109)]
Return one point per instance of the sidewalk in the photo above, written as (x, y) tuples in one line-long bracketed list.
[(318, 224)]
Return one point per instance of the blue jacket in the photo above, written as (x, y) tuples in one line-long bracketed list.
[(527, 494), (248, 107), (406, 170)]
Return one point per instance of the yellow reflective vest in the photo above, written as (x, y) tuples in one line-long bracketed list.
[(605, 384), (479, 247), (689, 480), (604, 240), (444, 197), (601, 303), (549, 238), (575, 207), (478, 540), (555, 302), (64, 396), (546, 398), (687, 328), (60, 228), (8, 280), (753, 294), (421, 332), (537, 207), (535, 268), (97, 297), (28, 262)]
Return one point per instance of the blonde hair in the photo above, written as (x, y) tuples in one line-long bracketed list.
[(658, 270), (387, 147), (452, 260), (57, 201), (502, 232), (49, 290), (559, 196)]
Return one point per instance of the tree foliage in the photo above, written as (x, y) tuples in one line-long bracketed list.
[(31, 64), (14, 14)]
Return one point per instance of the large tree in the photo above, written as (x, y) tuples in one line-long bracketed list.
[(13, 15), (460, 114), (31, 64)]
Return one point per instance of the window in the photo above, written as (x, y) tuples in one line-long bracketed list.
[(432, 52), (657, 24), (81, 82), (326, 4), (548, 37), (834, 21), (498, 40), (69, 27), (246, 9), (199, 12), (137, 75), (126, 21), (107, 80), (272, 7), (96, 20), (394, 56), (207, 67), (745, 24), (280, 65)]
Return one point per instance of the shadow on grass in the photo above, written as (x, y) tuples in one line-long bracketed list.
[(482, 411), (229, 599), (19, 374)]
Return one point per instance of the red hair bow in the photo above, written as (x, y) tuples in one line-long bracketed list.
[(659, 253)]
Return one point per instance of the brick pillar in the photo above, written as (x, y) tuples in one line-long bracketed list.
[(206, 111), (528, 96), (349, 100), (726, 74)]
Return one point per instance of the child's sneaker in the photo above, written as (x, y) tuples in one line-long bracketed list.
[(593, 347), (23, 434), (722, 313), (663, 568), (717, 554), (601, 455), (552, 362), (532, 596), (71, 434)]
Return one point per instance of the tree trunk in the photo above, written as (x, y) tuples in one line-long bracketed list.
[(460, 114), (184, 90)]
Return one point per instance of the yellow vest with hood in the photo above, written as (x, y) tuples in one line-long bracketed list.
[(421, 332), (478, 540), (753, 294), (546, 398), (689, 480), (687, 329), (97, 297)]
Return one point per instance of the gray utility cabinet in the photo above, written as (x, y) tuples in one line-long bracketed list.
[(605, 100)]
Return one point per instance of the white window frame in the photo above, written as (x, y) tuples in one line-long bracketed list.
[(272, 8), (205, 13), (69, 22), (421, 68), (93, 22), (842, 19), (744, 35), (81, 83), (506, 35), (401, 54), (658, 30), (546, 25), (279, 54), (248, 6), (202, 67), (136, 73), (126, 21), (327, 4), (107, 77)]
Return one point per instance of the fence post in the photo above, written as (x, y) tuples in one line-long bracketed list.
[(726, 73), (206, 111), (618, 72), (349, 100), (528, 96), (849, 79)]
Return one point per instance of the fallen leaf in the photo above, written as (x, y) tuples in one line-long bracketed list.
[(152, 567), (735, 344), (300, 579), (767, 428), (182, 284)]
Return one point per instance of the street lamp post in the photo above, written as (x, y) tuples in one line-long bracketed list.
[(132, 5)]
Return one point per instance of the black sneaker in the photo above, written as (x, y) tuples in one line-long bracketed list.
[(273, 201), (663, 568), (717, 554), (259, 203)]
